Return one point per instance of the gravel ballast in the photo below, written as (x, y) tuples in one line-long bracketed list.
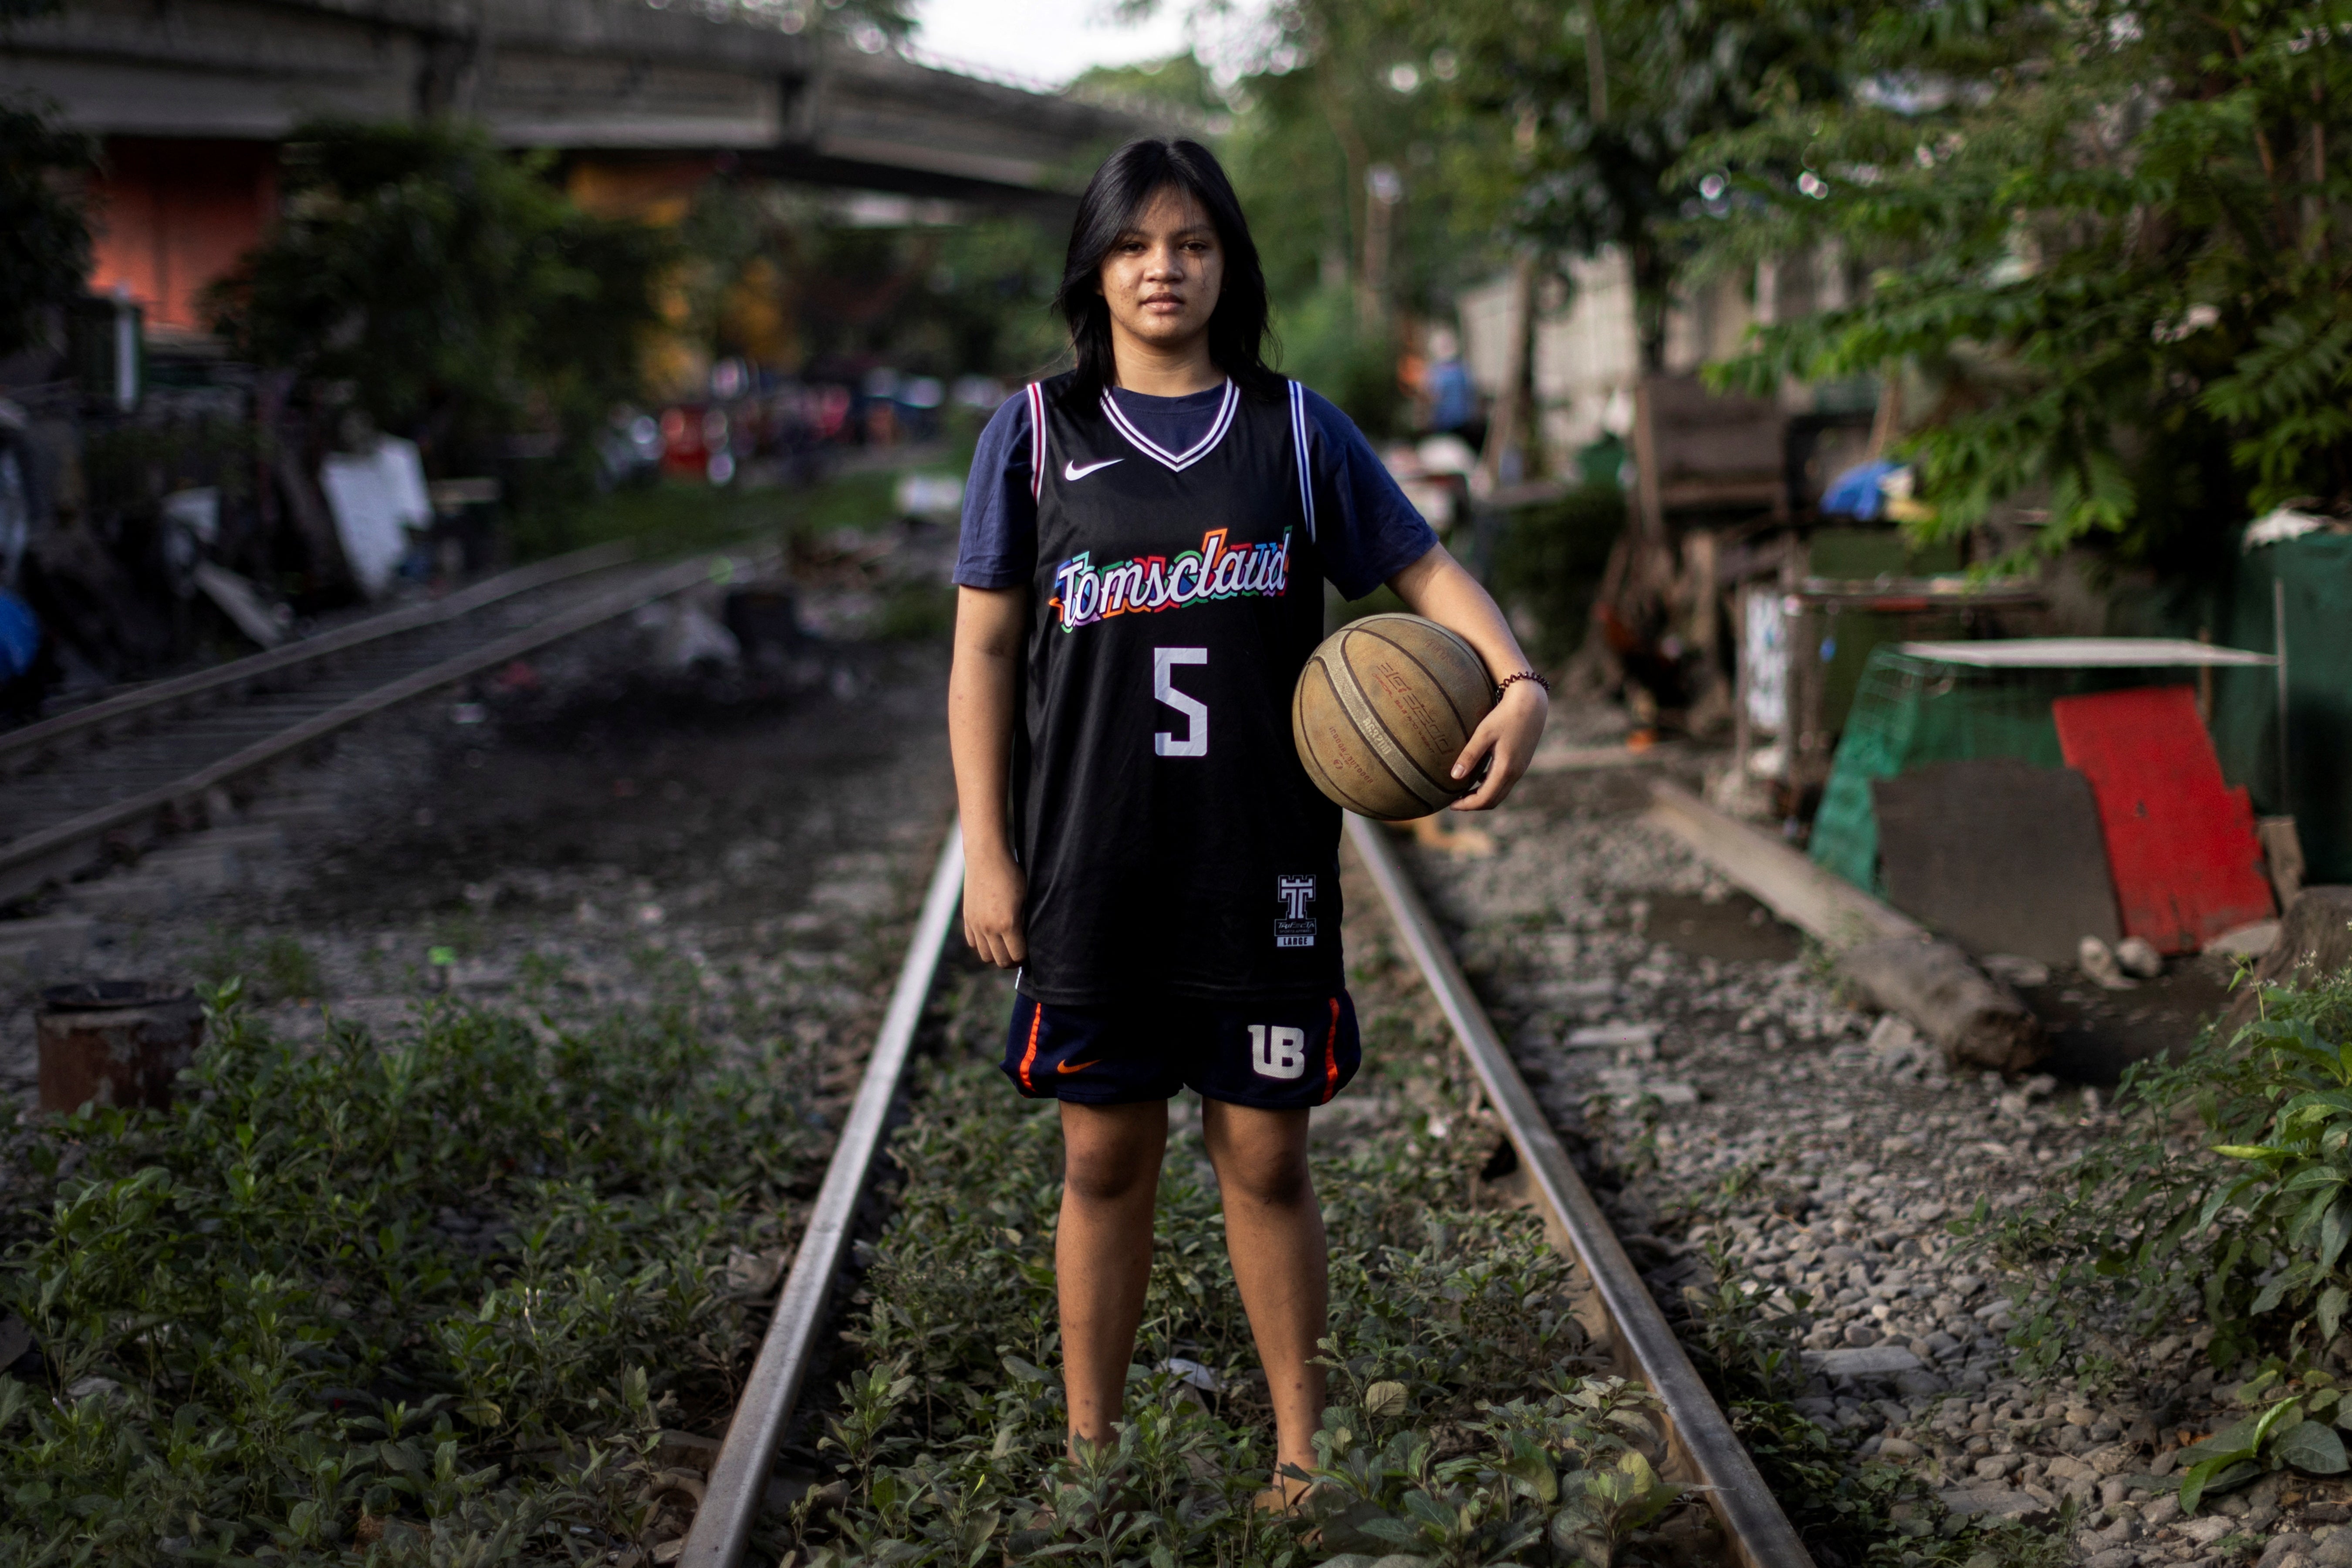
[(1738, 1106)]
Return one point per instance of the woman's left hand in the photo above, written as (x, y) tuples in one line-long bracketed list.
[(1509, 734)]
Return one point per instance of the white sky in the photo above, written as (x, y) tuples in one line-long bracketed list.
[(1049, 40)]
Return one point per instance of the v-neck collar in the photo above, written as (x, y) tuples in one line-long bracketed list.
[(1176, 462)]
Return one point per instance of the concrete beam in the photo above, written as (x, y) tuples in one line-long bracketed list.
[(581, 75)]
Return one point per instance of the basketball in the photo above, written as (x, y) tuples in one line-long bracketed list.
[(1382, 709)]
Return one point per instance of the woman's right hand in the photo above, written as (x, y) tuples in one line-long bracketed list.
[(993, 887)]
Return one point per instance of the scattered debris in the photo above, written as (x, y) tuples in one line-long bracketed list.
[(2098, 963), (1194, 1374), (242, 603), (2247, 941), (2014, 970)]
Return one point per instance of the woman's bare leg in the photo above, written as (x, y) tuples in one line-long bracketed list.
[(1274, 1232), (1102, 1253)]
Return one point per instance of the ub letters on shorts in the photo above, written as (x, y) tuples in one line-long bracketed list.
[(1277, 1050)]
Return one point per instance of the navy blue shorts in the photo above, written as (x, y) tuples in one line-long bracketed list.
[(1275, 1056)]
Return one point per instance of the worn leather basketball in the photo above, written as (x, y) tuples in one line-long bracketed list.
[(1382, 711)]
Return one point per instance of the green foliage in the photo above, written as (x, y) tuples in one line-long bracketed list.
[(971, 299), (2243, 1222), (1846, 1510), (2104, 236), (2276, 1438), (1562, 1478), (1549, 563), (1327, 347), (44, 235), (274, 968), (445, 288), (1466, 1424), (437, 1289), (1339, 90), (1571, 119)]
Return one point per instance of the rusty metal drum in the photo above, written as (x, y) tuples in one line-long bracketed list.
[(115, 1043)]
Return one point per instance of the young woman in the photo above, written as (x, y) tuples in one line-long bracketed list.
[(1140, 580)]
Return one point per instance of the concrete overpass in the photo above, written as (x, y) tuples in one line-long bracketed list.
[(193, 98)]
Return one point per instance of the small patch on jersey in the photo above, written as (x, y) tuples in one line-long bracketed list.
[(1294, 927), (1072, 470)]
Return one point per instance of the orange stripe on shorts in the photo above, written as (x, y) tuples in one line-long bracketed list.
[(1331, 1056), (1037, 1020)]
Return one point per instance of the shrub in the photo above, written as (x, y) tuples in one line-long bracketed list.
[(2224, 1196), (1548, 563), (445, 288), (435, 1292), (44, 235)]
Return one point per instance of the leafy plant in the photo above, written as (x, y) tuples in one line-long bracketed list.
[(44, 233), (1550, 562), (1575, 120), (2273, 1439), (448, 290), (431, 1293), (1567, 1477), (280, 967), (1466, 1424), (2242, 1221), (2102, 236)]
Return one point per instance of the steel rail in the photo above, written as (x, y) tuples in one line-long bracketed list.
[(1759, 1532), (41, 853), (17, 745), (739, 1477)]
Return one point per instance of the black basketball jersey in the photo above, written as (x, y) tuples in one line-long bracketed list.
[(1172, 843)]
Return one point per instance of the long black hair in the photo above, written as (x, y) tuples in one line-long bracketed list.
[(1114, 199)]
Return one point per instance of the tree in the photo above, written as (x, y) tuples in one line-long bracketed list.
[(1337, 145), (1576, 114), (444, 288), (44, 237), (2104, 234)]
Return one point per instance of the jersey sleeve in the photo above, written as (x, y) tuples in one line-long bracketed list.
[(998, 547), (1364, 528)]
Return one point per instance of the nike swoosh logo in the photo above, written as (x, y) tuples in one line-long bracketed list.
[(1078, 1067), (1072, 471)]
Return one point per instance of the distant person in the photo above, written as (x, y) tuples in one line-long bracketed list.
[(1453, 395), (1145, 543), (29, 661)]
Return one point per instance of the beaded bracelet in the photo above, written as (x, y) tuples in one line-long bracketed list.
[(1505, 684)]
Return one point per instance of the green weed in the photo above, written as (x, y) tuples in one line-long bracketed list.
[(2226, 1196), (275, 968), (1467, 1424), (1847, 1511), (430, 1296)]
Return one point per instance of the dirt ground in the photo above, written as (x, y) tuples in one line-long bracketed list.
[(600, 831)]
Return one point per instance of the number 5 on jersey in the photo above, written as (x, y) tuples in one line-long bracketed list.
[(1194, 741)]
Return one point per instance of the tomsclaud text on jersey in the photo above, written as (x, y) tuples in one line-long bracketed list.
[(1172, 843)]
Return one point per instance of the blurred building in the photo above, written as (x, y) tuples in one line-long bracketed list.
[(192, 99)]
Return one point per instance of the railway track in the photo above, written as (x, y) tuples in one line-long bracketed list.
[(1625, 1325), (177, 754)]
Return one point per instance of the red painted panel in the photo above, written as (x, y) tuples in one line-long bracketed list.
[(2181, 842), (174, 217)]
